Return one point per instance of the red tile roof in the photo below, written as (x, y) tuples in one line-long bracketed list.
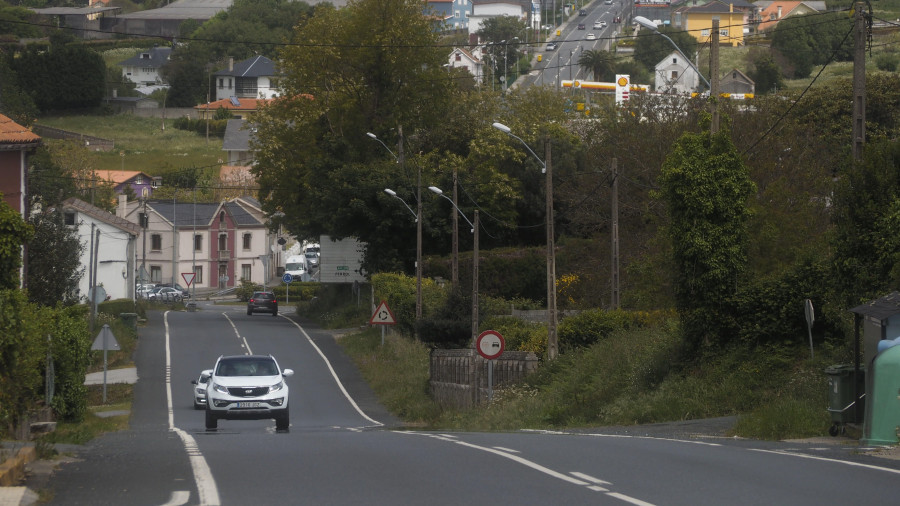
[(14, 133)]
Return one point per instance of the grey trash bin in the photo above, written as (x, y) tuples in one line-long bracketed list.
[(841, 393), (130, 319)]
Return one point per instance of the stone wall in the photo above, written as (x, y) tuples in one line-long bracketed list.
[(459, 378)]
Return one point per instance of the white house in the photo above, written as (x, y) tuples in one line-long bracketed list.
[(143, 68), (484, 9), (220, 243), (114, 241), (674, 74), (469, 60), (254, 77)]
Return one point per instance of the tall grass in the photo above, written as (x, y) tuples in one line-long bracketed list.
[(628, 378)]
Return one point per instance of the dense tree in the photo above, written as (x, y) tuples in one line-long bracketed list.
[(189, 79), (766, 74), (705, 186), (13, 22), (502, 37), (813, 39), (38, 72), (14, 102), (48, 183), (650, 48), (54, 259)]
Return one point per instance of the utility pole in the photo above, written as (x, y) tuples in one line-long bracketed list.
[(552, 339), (614, 239), (454, 261), (475, 256), (859, 81), (714, 78)]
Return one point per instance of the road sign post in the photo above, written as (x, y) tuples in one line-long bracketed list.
[(287, 278), (490, 345), (382, 316)]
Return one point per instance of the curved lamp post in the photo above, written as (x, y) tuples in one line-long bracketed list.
[(650, 25), (392, 193), (552, 338), (475, 256)]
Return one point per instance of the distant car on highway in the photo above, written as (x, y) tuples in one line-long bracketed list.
[(262, 301), (199, 387), (165, 294), (591, 36), (551, 46), (581, 26)]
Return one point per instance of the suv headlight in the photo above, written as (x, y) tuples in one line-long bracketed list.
[(219, 388), (276, 387)]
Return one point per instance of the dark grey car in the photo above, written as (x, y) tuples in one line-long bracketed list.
[(262, 302)]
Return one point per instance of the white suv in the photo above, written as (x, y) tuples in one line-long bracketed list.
[(248, 387)]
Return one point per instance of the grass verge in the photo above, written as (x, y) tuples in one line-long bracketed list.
[(118, 398), (629, 378)]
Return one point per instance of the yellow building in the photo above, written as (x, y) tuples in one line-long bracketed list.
[(697, 20)]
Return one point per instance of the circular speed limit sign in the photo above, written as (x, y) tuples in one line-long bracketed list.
[(490, 344)]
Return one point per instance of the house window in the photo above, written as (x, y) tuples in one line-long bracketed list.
[(138, 179), (245, 271), (229, 83), (734, 75), (70, 218), (674, 61), (245, 87), (222, 217), (221, 82), (704, 32), (458, 57), (247, 240), (198, 274), (143, 220), (223, 242), (155, 274), (674, 75), (156, 242), (198, 242), (723, 32)]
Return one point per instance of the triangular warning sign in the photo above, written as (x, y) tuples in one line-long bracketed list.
[(383, 315)]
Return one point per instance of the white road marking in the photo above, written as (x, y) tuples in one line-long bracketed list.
[(333, 374), (243, 340), (178, 498), (507, 450), (628, 499), (206, 484), (590, 478), (825, 459), (586, 481)]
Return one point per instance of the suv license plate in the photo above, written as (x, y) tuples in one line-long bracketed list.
[(246, 404)]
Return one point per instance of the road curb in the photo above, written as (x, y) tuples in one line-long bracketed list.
[(12, 471)]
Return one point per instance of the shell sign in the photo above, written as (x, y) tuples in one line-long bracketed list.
[(623, 82)]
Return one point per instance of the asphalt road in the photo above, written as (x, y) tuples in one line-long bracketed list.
[(344, 448)]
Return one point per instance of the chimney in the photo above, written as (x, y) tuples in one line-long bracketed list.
[(115, 93), (231, 58), (123, 204), (779, 12)]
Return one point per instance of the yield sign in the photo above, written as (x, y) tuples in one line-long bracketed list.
[(188, 277), (383, 316)]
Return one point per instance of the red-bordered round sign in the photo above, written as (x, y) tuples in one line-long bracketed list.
[(490, 344)]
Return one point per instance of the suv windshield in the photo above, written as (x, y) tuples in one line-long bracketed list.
[(248, 366)]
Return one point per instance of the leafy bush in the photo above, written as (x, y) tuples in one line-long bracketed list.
[(216, 126), (887, 62), (588, 327), (245, 290), (519, 335), (399, 291)]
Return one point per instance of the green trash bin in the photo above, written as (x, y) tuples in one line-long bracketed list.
[(841, 394), (130, 319)]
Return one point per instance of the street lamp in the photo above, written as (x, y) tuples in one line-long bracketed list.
[(475, 255), (373, 136), (399, 158), (392, 193), (552, 339), (650, 25)]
